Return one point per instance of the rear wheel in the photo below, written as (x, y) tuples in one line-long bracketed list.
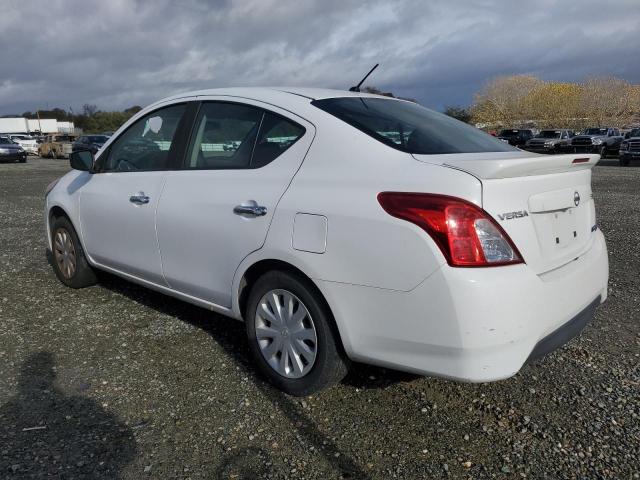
[(69, 263), (292, 336)]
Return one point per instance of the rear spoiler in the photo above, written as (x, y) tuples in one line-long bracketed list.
[(521, 166)]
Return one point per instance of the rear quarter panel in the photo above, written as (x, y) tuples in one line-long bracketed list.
[(340, 179)]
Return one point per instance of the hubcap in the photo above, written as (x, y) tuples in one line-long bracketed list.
[(286, 334), (64, 253)]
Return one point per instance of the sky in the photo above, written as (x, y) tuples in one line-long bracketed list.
[(119, 53)]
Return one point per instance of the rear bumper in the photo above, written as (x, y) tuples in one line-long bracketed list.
[(473, 325), (566, 332)]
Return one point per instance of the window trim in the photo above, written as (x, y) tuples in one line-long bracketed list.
[(177, 146), (183, 164)]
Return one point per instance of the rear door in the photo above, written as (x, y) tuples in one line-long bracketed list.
[(218, 208), (119, 201)]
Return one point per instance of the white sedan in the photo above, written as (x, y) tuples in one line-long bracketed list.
[(340, 226)]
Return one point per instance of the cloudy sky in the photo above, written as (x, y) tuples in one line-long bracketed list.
[(118, 53)]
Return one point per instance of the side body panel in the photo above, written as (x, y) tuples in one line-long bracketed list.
[(201, 239)]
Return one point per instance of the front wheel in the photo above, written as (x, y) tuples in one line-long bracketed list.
[(292, 336), (603, 151), (69, 263)]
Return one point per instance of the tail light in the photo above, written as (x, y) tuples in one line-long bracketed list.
[(466, 234)]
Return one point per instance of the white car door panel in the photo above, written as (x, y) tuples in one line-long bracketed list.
[(118, 230), (210, 219), (119, 201)]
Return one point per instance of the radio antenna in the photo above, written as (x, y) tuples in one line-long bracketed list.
[(357, 87)]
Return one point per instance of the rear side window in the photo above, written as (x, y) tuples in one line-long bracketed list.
[(224, 136), (409, 127), (236, 136), (277, 134)]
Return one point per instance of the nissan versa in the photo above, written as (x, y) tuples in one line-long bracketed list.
[(340, 226)]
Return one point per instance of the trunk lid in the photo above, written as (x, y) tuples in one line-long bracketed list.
[(543, 203)]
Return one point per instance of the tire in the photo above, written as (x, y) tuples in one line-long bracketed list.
[(81, 274), (327, 363), (603, 152)]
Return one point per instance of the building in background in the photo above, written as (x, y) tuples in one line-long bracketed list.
[(42, 126)]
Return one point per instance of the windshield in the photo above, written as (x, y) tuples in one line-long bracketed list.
[(595, 131), (21, 137), (408, 127), (6, 141), (549, 134), (97, 138), (634, 133), (509, 133)]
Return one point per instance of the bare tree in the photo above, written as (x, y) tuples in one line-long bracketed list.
[(89, 110), (522, 100), (608, 101), (504, 100)]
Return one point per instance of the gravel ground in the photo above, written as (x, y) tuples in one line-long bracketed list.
[(118, 381)]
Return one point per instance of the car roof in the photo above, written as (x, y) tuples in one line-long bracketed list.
[(273, 94)]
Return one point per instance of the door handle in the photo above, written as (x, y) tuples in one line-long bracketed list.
[(252, 209), (139, 199)]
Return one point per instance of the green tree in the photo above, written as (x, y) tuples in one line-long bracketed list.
[(459, 113)]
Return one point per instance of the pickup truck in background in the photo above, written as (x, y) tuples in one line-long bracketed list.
[(602, 140), (56, 146), (629, 147), (550, 141), (516, 137)]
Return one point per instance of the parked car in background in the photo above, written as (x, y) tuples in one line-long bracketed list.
[(602, 140), (11, 151), (516, 137), (550, 141), (343, 226), (27, 142), (56, 146), (93, 143), (629, 147)]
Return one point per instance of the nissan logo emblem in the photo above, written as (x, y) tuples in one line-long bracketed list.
[(576, 198)]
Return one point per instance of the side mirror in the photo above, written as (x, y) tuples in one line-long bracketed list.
[(81, 160)]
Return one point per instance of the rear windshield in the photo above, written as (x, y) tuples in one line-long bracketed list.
[(549, 134), (409, 127), (596, 131), (509, 133)]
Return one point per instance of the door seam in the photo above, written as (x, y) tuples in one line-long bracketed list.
[(155, 228)]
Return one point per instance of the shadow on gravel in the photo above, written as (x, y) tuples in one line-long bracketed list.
[(45, 433), (614, 162), (230, 334)]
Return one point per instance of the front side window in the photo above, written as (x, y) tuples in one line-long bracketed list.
[(145, 145), (409, 127), (235, 136)]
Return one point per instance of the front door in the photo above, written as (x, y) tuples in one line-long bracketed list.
[(119, 202), (218, 208)]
